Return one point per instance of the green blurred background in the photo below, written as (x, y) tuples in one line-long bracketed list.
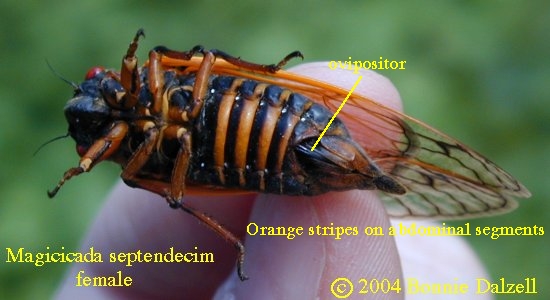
[(477, 70)]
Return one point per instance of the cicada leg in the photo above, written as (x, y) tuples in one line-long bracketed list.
[(221, 231), (237, 61), (100, 150), (156, 77), (130, 173), (181, 163), (129, 78)]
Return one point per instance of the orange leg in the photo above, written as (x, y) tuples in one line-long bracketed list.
[(129, 78), (253, 66), (224, 233), (129, 75), (100, 150), (141, 155), (228, 57), (156, 78)]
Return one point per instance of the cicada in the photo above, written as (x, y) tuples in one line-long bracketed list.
[(206, 119)]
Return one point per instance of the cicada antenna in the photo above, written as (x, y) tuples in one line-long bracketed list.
[(74, 85), (49, 141)]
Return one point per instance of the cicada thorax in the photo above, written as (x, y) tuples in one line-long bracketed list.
[(258, 136)]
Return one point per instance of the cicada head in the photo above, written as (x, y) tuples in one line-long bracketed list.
[(87, 112)]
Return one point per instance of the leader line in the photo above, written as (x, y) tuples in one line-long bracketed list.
[(337, 111)]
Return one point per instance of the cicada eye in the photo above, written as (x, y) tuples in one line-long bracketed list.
[(92, 72)]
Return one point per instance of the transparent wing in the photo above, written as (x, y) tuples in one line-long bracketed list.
[(444, 178)]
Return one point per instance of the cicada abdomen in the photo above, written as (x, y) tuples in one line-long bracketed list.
[(258, 136), (208, 119)]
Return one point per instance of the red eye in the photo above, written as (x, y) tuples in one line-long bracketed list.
[(92, 72), (81, 150)]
